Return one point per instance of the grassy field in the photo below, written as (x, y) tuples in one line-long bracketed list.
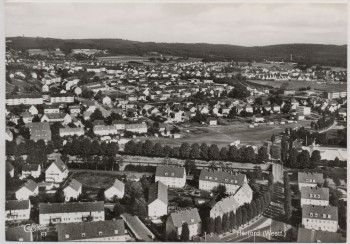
[(298, 84), (95, 179), (224, 135)]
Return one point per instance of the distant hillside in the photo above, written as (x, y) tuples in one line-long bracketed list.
[(311, 54)]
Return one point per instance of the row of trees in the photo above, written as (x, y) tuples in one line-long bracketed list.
[(303, 160), (242, 216), (196, 151), (287, 197), (85, 146), (323, 123)]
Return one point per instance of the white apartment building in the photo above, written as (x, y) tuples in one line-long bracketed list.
[(309, 179), (314, 196), (101, 231), (171, 176), (17, 210), (157, 200), (27, 99), (210, 179), (103, 130), (67, 131), (71, 212), (56, 172), (324, 218)]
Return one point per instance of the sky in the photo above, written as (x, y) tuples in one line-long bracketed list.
[(245, 24)]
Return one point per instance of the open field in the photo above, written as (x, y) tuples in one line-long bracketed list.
[(123, 58), (94, 179), (224, 135), (295, 85)]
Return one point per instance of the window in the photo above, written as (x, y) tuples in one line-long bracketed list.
[(216, 178), (316, 215), (311, 214), (324, 215), (172, 174), (329, 216), (192, 220), (206, 177), (100, 233), (116, 232), (210, 178), (226, 180), (318, 196), (82, 234), (20, 239), (307, 180), (66, 236)]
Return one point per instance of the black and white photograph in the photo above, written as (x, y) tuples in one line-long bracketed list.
[(175, 121)]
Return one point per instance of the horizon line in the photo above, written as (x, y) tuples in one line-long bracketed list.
[(114, 38)]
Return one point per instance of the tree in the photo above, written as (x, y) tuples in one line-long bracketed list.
[(97, 115), (273, 138), (147, 148), (263, 155), (292, 161), (204, 151), (220, 190), (232, 220), (175, 152), (185, 150), (223, 153), (118, 209), (185, 232), (249, 212), (129, 147), (239, 217), (138, 149), (315, 158), (254, 209), (195, 151), (213, 152), (244, 215), (304, 159), (233, 153), (225, 222), (211, 225), (218, 225), (249, 155), (190, 166), (158, 150)]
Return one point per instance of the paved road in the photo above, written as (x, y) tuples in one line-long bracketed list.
[(274, 214)]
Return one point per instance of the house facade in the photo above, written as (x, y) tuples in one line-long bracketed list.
[(71, 212), (56, 172), (157, 200), (324, 218), (17, 210), (171, 176), (210, 179), (177, 219)]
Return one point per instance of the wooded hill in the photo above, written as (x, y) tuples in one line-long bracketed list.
[(311, 54)]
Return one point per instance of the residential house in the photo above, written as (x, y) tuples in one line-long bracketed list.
[(71, 212), (116, 190), (57, 172), (324, 218), (171, 176), (51, 109), (231, 203), (33, 110), (57, 117), (157, 200), (17, 210), (103, 130), (210, 179), (313, 236), (10, 170), (310, 179), (136, 128), (212, 121), (101, 231), (19, 233), (176, 220), (39, 131), (67, 131), (314, 196), (304, 110), (75, 110), (73, 190), (33, 170), (26, 99), (30, 188)]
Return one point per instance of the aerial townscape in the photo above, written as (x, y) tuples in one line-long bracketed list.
[(125, 141)]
